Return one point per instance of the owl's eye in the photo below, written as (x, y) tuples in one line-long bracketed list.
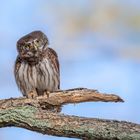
[(26, 47), (37, 41), (36, 44)]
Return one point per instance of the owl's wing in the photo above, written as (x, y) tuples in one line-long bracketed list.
[(17, 64), (54, 60)]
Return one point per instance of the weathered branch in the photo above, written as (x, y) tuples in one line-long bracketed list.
[(69, 126), (62, 97), (28, 113)]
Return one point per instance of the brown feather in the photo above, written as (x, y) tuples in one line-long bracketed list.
[(53, 57), (36, 69)]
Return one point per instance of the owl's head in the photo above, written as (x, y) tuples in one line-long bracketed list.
[(32, 45)]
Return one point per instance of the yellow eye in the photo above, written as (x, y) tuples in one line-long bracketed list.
[(27, 47), (37, 41), (36, 44)]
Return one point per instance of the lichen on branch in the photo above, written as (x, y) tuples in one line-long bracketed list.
[(38, 115)]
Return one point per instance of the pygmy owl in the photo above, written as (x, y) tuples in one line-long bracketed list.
[(37, 66)]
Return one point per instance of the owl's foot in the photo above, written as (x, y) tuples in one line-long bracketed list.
[(32, 94), (46, 92)]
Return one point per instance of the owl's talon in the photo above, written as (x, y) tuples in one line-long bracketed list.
[(32, 95), (46, 93)]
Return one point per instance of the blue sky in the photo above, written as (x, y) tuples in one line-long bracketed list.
[(89, 57)]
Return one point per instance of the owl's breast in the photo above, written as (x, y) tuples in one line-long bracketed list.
[(26, 77), (41, 76), (47, 78)]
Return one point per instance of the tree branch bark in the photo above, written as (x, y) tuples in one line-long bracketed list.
[(30, 114), (62, 97)]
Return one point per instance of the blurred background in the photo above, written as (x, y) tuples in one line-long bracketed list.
[(98, 44)]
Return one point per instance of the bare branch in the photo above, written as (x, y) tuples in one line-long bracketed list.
[(62, 97), (30, 114), (57, 124)]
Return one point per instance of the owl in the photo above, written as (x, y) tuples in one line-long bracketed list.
[(37, 67)]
